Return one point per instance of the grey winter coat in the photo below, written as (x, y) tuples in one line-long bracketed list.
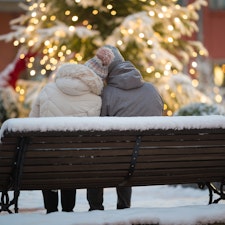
[(127, 94)]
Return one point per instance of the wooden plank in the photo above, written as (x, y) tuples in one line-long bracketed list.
[(78, 153), (80, 138), (66, 168), (149, 150), (77, 160), (180, 157)]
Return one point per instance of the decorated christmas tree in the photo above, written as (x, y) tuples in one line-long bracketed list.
[(153, 34)]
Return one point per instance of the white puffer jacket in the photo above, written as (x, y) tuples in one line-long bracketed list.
[(75, 92)]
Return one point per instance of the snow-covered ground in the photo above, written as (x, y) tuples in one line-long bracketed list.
[(168, 205)]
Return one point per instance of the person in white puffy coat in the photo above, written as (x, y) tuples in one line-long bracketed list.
[(75, 92)]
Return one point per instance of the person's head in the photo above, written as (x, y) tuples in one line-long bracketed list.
[(106, 57), (82, 73), (100, 62), (118, 58)]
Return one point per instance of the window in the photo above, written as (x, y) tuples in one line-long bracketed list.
[(217, 4), (219, 75)]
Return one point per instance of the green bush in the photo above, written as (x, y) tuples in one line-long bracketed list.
[(200, 109)]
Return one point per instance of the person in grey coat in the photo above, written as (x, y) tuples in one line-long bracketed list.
[(126, 94)]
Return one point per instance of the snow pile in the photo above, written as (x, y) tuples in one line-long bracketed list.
[(112, 123), (164, 205), (187, 215)]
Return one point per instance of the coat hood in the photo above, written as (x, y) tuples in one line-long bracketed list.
[(77, 79), (125, 76)]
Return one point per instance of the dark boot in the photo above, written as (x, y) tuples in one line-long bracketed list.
[(50, 200), (123, 197), (95, 198), (68, 199)]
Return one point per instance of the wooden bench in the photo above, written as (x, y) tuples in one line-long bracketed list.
[(87, 152)]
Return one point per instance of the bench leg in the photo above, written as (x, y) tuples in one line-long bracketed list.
[(5, 203), (214, 190), (16, 176)]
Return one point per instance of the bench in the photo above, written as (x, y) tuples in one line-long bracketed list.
[(88, 152)]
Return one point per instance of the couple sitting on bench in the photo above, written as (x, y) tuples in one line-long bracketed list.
[(78, 91)]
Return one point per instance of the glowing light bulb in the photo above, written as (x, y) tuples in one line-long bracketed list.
[(113, 12), (130, 31), (32, 73), (149, 42), (170, 28), (109, 6), (141, 35), (157, 75), (164, 8), (152, 3), (85, 22), (33, 14), (71, 28), (151, 13), (195, 83), (16, 43), (176, 20), (22, 40), (74, 18), (119, 42), (53, 18), (170, 39), (194, 64), (67, 12), (43, 72), (160, 15), (169, 113), (218, 98), (95, 12), (44, 17)]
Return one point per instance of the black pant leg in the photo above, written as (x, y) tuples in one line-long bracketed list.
[(123, 197), (68, 199), (50, 200), (95, 198)]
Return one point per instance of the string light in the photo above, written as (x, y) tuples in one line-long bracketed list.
[(32, 72), (74, 18), (44, 17), (152, 3), (151, 13), (119, 42), (170, 39), (149, 42), (53, 18), (95, 12), (109, 6), (141, 35), (67, 12), (113, 12), (170, 27), (195, 83), (16, 43), (160, 15), (218, 98)]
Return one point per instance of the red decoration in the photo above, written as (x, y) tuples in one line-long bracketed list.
[(20, 66), (11, 73)]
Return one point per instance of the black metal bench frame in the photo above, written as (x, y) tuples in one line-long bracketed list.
[(153, 157)]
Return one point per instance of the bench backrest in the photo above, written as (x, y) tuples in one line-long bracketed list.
[(56, 159)]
